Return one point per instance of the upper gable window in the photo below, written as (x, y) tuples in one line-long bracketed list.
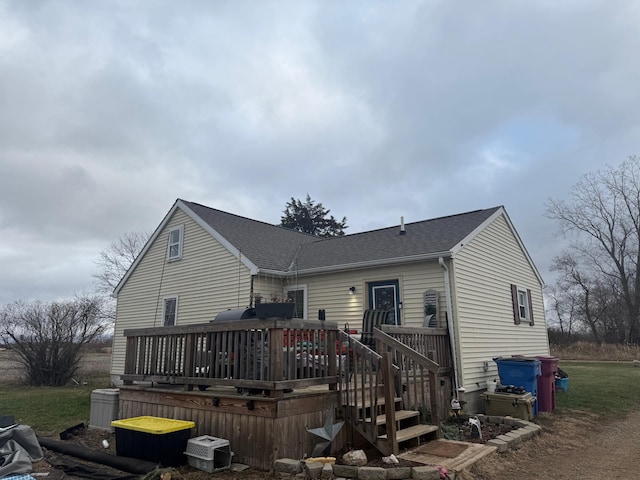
[(522, 306), (174, 248)]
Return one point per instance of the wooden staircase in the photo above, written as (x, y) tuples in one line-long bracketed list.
[(374, 401)]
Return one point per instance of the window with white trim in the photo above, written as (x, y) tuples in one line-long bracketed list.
[(174, 247), (522, 306), (297, 295), (169, 311)]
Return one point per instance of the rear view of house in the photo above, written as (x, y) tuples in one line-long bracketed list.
[(469, 273)]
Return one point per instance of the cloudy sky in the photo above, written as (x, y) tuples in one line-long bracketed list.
[(110, 110)]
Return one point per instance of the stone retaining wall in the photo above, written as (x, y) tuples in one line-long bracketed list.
[(302, 470)]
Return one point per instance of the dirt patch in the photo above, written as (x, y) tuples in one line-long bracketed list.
[(572, 445)]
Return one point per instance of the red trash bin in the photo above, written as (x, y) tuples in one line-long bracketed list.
[(547, 383)]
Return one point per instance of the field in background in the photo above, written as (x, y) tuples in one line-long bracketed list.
[(50, 410), (591, 351)]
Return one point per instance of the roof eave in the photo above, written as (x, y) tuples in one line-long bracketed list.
[(373, 263)]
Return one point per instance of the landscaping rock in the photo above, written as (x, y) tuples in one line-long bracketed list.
[(355, 457)]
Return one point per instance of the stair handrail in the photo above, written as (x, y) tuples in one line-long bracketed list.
[(388, 344), (359, 363)]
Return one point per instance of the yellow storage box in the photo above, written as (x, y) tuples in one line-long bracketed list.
[(155, 439)]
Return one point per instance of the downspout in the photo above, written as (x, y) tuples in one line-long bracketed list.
[(450, 327)]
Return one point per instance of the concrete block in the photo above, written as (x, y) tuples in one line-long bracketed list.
[(515, 436), (372, 473), (398, 473), (287, 465), (513, 422), (500, 445), (327, 472), (494, 419), (348, 471), (313, 469), (425, 473)]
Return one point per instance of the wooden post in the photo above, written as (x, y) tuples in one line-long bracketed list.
[(433, 394), (276, 358), (189, 354), (389, 402), (332, 359), (130, 358)]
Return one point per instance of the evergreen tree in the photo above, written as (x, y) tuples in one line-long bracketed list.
[(309, 217)]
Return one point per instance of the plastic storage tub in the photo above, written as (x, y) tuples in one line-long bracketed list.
[(503, 404), (208, 453), (155, 439), (562, 384), (546, 383), (104, 408), (520, 372)]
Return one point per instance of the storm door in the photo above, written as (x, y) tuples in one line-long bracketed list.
[(385, 295)]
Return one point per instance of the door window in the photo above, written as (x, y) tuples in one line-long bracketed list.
[(386, 296)]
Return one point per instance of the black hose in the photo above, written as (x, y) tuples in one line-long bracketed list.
[(126, 464)]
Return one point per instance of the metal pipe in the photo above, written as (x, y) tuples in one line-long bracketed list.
[(450, 326)]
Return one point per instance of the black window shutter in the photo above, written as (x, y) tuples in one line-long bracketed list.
[(514, 301), (530, 307)]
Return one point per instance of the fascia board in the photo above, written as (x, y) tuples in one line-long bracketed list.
[(372, 263), (144, 250), (222, 240), (500, 212)]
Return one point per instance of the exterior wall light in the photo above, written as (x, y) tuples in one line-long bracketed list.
[(352, 290)]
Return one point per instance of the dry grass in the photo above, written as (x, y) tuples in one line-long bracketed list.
[(591, 351)]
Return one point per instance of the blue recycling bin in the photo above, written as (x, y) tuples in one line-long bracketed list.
[(520, 372)]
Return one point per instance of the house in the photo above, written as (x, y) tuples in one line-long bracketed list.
[(469, 273)]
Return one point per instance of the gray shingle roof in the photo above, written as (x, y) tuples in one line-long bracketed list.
[(276, 248), (267, 246), (420, 239)]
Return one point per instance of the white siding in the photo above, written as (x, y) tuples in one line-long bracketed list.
[(207, 280), (483, 272), (331, 292)]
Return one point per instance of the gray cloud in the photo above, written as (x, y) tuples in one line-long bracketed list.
[(110, 111)]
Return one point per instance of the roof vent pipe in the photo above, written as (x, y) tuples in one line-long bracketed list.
[(402, 230)]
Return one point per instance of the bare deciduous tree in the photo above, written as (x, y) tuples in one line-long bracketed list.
[(604, 213), (48, 337), (115, 260)]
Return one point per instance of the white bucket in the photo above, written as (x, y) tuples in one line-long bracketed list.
[(491, 386)]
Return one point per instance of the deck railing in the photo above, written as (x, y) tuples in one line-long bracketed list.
[(271, 354)]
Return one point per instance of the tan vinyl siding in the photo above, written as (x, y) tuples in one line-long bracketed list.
[(207, 279), (483, 272), (330, 292)]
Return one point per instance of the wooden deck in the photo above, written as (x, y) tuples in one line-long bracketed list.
[(308, 370), (260, 429)]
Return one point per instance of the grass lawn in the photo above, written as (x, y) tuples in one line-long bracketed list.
[(605, 388), (49, 410)]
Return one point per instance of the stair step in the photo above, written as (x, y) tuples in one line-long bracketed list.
[(400, 415), (412, 432)]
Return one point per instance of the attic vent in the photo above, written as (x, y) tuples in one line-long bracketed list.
[(430, 308), (402, 230)]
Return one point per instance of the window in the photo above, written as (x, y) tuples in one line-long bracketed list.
[(298, 295), (522, 307), (169, 311), (174, 247)]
